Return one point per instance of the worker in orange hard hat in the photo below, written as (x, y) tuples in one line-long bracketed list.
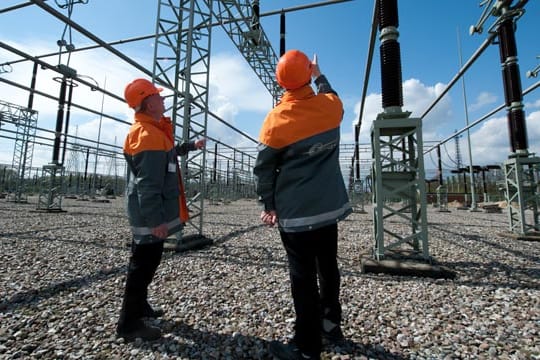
[(301, 189), (293, 70), (138, 90), (156, 204)]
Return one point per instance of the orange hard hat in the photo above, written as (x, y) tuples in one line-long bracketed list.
[(137, 90), (293, 70)]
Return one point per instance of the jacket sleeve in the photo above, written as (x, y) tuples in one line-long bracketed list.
[(265, 171), (323, 86), (185, 147), (150, 170)]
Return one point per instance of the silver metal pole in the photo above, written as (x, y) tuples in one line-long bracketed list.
[(99, 136), (471, 172)]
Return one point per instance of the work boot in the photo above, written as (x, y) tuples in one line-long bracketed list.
[(141, 330), (334, 336), (331, 332), (149, 312), (289, 352)]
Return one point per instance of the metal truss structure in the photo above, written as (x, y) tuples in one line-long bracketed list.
[(442, 198), (522, 193), (398, 178), (50, 193), (181, 64), (25, 121), (240, 21), (399, 190)]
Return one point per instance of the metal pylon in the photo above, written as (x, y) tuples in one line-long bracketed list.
[(398, 178), (50, 189), (522, 194), (442, 198), (25, 121), (242, 26), (181, 64)]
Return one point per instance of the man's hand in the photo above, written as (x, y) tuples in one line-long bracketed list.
[(200, 144), (160, 231), (269, 217), (315, 71)]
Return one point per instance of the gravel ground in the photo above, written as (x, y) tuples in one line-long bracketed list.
[(62, 278)]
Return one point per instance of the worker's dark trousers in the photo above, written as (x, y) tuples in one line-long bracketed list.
[(312, 254), (142, 266)]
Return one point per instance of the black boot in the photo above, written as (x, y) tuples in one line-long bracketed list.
[(149, 312), (142, 265), (138, 330), (289, 351)]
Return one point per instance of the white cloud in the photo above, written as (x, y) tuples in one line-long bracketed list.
[(233, 81), (238, 97), (489, 139), (416, 99), (533, 105), (483, 99), (489, 144)]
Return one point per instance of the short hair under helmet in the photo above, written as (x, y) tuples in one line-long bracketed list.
[(293, 70), (138, 90)]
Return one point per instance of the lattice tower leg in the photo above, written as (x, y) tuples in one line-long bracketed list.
[(522, 195), (398, 175), (181, 62), (50, 193), (442, 198), (25, 121)]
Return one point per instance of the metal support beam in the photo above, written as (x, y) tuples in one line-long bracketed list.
[(50, 189), (243, 28), (522, 193), (25, 121), (398, 178), (398, 164), (181, 64)]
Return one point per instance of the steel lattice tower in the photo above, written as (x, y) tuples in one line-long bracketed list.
[(181, 64), (25, 121)]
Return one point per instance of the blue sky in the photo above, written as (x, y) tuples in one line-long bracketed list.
[(339, 34)]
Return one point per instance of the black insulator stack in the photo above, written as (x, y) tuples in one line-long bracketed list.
[(391, 81), (517, 129), (439, 164), (68, 115), (86, 163), (215, 162), (256, 14), (255, 22), (392, 94), (282, 34), (357, 151), (512, 86), (507, 40), (33, 86), (59, 121), (388, 13)]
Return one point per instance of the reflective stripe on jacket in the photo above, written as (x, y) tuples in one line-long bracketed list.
[(297, 168), (154, 193)]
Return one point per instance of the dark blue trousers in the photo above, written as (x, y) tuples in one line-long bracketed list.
[(315, 283), (143, 264)]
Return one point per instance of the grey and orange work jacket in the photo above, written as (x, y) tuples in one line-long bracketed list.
[(297, 168), (155, 193)]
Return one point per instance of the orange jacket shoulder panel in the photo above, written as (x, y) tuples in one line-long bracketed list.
[(293, 120), (146, 135)]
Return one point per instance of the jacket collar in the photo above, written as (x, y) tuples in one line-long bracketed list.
[(145, 118), (304, 92)]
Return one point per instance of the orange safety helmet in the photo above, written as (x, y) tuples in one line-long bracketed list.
[(293, 70), (138, 90)]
